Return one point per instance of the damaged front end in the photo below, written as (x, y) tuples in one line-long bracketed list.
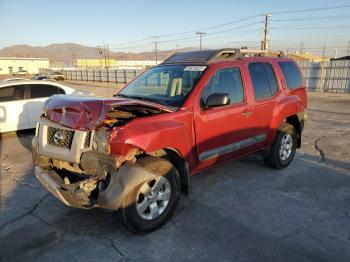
[(76, 164)]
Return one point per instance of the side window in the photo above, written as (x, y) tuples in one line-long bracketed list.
[(12, 93), (272, 78), (39, 91), (60, 91), (264, 79), (291, 75), (226, 80), (260, 80)]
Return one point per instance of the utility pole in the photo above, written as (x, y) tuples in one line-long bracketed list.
[(301, 47), (335, 53), (348, 51), (105, 55), (323, 52), (265, 43), (200, 38), (156, 48), (177, 48)]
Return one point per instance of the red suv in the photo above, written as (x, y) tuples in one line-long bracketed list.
[(136, 152)]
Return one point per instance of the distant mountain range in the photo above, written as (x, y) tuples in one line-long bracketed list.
[(64, 54)]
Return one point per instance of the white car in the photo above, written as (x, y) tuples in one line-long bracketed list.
[(13, 79), (21, 102)]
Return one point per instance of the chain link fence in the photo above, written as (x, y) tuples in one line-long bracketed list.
[(332, 76)]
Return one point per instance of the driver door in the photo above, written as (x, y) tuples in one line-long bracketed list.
[(223, 132)]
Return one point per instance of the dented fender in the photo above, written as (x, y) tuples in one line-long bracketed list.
[(121, 183)]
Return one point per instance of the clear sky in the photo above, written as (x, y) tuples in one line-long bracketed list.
[(92, 22)]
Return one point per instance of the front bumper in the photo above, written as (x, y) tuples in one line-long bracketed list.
[(81, 177), (108, 195), (53, 183)]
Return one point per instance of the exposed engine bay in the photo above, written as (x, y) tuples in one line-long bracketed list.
[(121, 115)]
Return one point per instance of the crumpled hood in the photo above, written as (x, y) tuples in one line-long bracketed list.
[(86, 113)]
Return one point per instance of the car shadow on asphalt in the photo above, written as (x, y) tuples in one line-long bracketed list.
[(241, 209)]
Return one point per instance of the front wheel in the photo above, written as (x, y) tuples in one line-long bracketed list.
[(151, 204), (283, 148)]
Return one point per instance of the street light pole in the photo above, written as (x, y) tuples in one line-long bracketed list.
[(200, 38)]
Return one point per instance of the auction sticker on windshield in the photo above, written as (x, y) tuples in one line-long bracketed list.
[(195, 68)]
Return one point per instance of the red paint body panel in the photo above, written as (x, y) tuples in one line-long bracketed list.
[(190, 131), (86, 113)]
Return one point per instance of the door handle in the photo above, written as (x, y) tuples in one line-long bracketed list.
[(246, 113)]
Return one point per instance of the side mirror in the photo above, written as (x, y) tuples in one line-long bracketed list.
[(217, 99)]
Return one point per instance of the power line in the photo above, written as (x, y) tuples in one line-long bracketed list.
[(211, 27), (310, 28), (189, 32), (120, 46), (234, 28), (128, 47), (311, 18), (310, 10), (211, 34)]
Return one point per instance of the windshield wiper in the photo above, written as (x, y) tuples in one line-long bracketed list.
[(121, 95)]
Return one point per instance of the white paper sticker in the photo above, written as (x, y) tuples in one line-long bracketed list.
[(195, 68)]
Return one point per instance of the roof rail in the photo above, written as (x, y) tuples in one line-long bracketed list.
[(207, 56)]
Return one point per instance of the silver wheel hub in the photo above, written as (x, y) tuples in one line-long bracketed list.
[(286, 147), (153, 198)]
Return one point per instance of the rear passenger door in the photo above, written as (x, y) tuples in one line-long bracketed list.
[(37, 94), (265, 89)]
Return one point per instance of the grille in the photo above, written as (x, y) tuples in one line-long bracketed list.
[(87, 139), (60, 137)]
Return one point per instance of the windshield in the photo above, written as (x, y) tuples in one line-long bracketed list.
[(167, 85)]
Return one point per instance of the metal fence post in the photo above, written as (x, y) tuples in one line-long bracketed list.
[(321, 85)]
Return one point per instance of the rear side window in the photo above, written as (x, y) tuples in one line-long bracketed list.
[(264, 80), (11, 93), (291, 75), (40, 91), (227, 80)]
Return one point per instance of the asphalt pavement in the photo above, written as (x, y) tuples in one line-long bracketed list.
[(240, 211)]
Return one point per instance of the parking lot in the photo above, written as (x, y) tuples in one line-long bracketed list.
[(240, 211)]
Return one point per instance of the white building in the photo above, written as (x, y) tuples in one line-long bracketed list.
[(9, 65)]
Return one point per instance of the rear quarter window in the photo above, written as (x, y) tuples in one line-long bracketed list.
[(291, 75), (11, 93), (41, 91)]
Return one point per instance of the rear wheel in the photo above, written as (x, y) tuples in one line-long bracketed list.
[(283, 148), (151, 204)]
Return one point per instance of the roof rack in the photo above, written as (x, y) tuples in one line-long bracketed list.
[(206, 56)]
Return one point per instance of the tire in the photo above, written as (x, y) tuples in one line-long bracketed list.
[(283, 148), (136, 211)]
